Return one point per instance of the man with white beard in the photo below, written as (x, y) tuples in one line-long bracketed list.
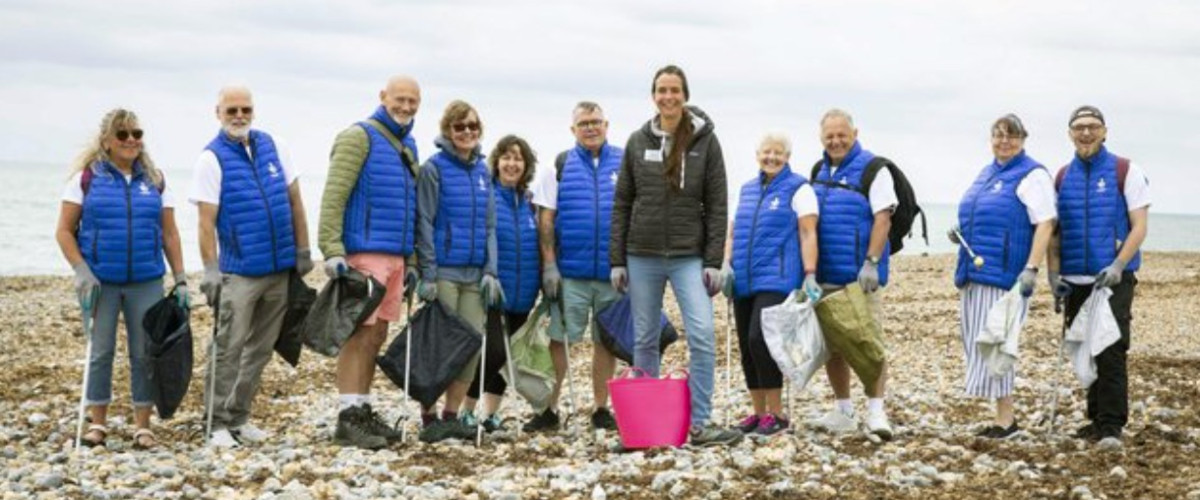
[(248, 196)]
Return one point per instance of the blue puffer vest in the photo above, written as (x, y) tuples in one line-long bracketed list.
[(584, 214), (995, 223), (460, 227), (120, 230), (381, 213), (766, 245), (1093, 218), (844, 228), (254, 220), (516, 239)]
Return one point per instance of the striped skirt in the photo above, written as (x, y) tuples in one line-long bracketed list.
[(976, 300)]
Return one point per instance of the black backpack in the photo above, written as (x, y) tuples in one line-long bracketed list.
[(559, 163), (907, 209)]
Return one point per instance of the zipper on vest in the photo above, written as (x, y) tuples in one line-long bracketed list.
[(1006, 264), (404, 232), (95, 240), (1087, 214), (474, 213), (367, 217), (762, 193), (516, 219), (129, 233), (270, 214), (971, 221), (596, 224)]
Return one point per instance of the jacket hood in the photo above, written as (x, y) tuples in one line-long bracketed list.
[(700, 120)]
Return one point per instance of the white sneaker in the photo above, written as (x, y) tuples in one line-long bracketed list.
[(221, 438), (877, 424), (249, 433), (1109, 444), (835, 422)]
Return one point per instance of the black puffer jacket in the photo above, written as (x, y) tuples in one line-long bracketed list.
[(648, 219)]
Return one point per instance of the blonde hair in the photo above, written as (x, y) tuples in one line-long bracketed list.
[(94, 153), (775, 138)]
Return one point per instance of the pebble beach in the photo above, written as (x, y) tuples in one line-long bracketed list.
[(933, 455)]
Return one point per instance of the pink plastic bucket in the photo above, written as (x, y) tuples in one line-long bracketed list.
[(651, 411)]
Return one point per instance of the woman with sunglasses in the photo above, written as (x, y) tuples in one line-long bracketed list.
[(456, 248), (116, 221), (668, 224), (1005, 218)]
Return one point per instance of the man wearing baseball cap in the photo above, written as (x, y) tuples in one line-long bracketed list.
[(1103, 206)]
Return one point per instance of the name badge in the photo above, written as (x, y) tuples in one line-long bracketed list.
[(653, 155)]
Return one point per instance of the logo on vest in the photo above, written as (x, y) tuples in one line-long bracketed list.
[(482, 186), (143, 188), (775, 203), (272, 169), (997, 186), (613, 177), (1101, 186), (843, 182)]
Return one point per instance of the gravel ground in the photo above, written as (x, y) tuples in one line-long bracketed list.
[(933, 456)]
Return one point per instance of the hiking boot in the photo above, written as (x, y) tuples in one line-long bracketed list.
[(603, 419), (544, 421), (835, 422), (377, 426), (1089, 432), (877, 424), (748, 424), (354, 429), (770, 424), (439, 430), (712, 436), (493, 423)]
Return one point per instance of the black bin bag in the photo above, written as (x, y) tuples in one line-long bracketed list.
[(169, 353), (300, 301), (442, 344), (344, 303)]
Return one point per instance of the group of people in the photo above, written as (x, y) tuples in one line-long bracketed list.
[(484, 236)]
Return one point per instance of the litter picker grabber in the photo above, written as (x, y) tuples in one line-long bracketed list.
[(567, 347), (482, 367), (212, 366), (508, 361), (1062, 342), (408, 297), (88, 307), (728, 360)]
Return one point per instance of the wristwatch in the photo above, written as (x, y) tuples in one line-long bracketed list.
[(873, 260), (1032, 268)]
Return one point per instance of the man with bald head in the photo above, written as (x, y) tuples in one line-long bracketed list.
[(248, 195), (368, 221)]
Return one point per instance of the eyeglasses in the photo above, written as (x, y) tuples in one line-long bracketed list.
[(123, 135), (1087, 127), (460, 127), (1006, 137), (233, 110), (589, 124)]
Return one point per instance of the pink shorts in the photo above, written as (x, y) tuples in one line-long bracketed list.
[(386, 269)]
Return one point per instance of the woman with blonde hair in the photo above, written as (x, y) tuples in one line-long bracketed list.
[(116, 222)]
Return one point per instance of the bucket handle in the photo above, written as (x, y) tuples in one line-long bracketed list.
[(635, 372)]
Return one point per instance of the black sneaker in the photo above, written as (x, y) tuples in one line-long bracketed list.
[(439, 430), (603, 419), (353, 429), (1004, 432), (989, 431), (544, 421), (378, 427), (1089, 432)]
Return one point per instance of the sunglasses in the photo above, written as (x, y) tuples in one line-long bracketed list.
[(460, 127), (233, 111), (123, 135)]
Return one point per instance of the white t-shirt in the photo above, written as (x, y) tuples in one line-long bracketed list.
[(804, 201), (544, 187), (882, 193), (1036, 191), (73, 191), (1137, 195), (206, 177)]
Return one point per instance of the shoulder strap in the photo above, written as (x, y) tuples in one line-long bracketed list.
[(877, 163), (1122, 174), (85, 179), (1058, 178), (559, 163), (405, 153), (816, 169)]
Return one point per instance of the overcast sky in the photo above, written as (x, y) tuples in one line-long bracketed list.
[(923, 79)]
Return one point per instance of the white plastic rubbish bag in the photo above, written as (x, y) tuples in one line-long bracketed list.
[(1000, 340), (794, 338), (1091, 332)]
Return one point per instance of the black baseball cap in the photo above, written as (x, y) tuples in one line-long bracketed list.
[(1085, 112)]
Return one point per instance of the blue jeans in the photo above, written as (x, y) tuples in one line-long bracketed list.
[(131, 301), (648, 277)]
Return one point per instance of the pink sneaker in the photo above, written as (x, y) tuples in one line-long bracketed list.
[(748, 424)]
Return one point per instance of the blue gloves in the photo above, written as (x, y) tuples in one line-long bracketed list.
[(727, 277), (493, 294), (335, 267), (87, 287), (182, 296), (811, 288)]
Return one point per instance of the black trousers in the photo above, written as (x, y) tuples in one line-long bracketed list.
[(757, 364), (1108, 397), (493, 383)]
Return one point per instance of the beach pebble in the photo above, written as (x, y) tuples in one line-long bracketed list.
[(1081, 492), (1118, 472), (50, 481), (598, 493), (37, 418)]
